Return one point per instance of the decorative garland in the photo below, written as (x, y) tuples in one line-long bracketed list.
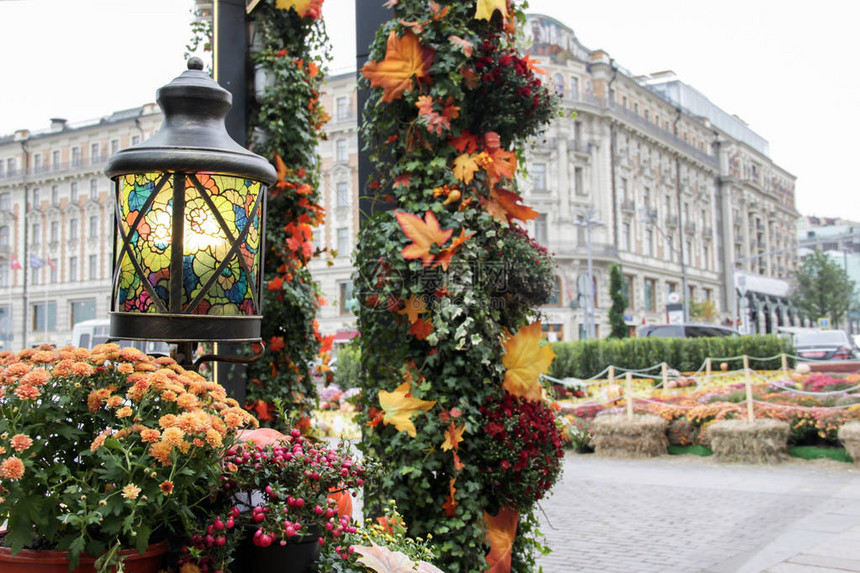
[(448, 282), (294, 47)]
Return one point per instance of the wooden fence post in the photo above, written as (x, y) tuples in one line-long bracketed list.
[(611, 375), (784, 359), (629, 396), (708, 371), (748, 384), (665, 372)]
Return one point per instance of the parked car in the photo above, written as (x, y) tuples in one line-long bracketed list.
[(817, 344), (688, 330)]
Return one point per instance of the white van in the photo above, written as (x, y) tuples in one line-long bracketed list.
[(91, 333)]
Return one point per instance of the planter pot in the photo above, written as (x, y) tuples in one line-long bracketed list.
[(30, 561), (297, 556)]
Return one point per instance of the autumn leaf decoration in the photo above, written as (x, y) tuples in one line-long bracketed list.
[(399, 406), (525, 360), (414, 307), (383, 560), (425, 233), (453, 437), (485, 9), (405, 59), (501, 531)]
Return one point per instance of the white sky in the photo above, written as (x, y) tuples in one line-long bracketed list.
[(786, 67)]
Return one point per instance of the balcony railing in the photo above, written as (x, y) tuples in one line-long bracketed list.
[(57, 167), (598, 250)]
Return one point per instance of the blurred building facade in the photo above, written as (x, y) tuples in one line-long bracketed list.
[(56, 224), (677, 191)]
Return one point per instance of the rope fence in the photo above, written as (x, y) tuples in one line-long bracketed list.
[(619, 385)]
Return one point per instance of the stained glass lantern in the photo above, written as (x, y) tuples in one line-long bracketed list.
[(190, 209)]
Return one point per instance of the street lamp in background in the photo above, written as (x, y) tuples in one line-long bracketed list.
[(587, 221), (190, 212)]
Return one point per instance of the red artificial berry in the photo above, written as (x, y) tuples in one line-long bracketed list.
[(299, 502), (219, 525), (321, 540), (263, 541), (295, 433), (210, 529), (290, 531), (258, 517), (229, 524), (220, 541), (318, 510), (209, 540)]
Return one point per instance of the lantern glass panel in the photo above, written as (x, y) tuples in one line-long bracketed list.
[(220, 243)]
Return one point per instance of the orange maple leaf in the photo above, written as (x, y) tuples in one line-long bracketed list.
[(501, 531), (453, 437), (276, 344), (525, 360), (421, 329), (466, 142), (414, 305), (399, 406), (405, 58), (464, 46), (424, 234), (451, 504), (485, 9), (403, 180), (465, 166), (445, 255), (300, 6), (504, 205), (533, 65)]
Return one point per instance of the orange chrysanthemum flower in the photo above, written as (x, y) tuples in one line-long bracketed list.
[(12, 468), (21, 442), (166, 487), (130, 491)]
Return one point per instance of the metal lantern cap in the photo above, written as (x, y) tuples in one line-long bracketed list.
[(192, 137)]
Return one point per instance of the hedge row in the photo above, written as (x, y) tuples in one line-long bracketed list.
[(587, 358)]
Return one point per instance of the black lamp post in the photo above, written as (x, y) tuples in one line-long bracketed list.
[(189, 234)]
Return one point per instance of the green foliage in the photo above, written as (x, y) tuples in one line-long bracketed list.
[(587, 358), (823, 288), (346, 375), (291, 116), (495, 278), (618, 328)]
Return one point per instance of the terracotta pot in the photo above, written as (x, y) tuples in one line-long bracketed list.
[(30, 561)]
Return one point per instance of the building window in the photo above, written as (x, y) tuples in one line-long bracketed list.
[(648, 245), (55, 159), (688, 252), (55, 231), (541, 229), (346, 301), (5, 201), (539, 177), (341, 194), (4, 237), (558, 84), (94, 153), (342, 108), (34, 276), (55, 195), (94, 227), (340, 150), (82, 310), (555, 296), (36, 198), (53, 267), (622, 189), (76, 157), (578, 181), (627, 291), (10, 166), (37, 162), (73, 269), (73, 192), (625, 236), (574, 88), (650, 294), (94, 187), (135, 139), (114, 146), (4, 281), (343, 242), (94, 267), (44, 316), (73, 229), (37, 234)]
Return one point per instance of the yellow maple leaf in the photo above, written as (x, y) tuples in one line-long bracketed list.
[(300, 6), (465, 167), (424, 234), (405, 58), (525, 360), (485, 9), (414, 305), (453, 437), (399, 406)]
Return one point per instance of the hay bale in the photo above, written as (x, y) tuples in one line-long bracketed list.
[(849, 435), (617, 436), (757, 442)]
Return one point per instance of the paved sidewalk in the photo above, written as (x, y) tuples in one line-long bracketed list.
[(680, 514)]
